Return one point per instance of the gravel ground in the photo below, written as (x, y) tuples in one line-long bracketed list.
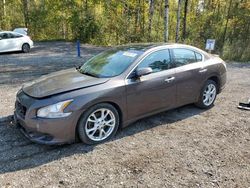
[(185, 147)]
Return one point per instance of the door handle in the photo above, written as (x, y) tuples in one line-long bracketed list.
[(202, 70), (170, 79)]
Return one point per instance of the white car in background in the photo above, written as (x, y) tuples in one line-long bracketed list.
[(23, 31), (13, 41)]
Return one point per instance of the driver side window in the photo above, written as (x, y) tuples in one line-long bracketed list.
[(158, 61)]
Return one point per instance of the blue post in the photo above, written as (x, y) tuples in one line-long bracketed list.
[(78, 48)]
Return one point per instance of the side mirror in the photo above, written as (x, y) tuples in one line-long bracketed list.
[(143, 71)]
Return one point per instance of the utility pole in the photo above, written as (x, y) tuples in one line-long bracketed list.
[(166, 17)]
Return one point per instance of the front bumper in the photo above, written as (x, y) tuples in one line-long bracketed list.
[(42, 130), (42, 136)]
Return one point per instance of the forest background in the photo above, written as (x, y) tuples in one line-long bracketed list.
[(115, 22)]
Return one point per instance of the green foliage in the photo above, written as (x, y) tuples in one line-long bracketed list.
[(112, 22), (84, 27)]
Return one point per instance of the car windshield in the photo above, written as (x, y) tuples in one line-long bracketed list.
[(110, 63)]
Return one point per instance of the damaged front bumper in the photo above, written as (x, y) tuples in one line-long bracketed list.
[(38, 137), (43, 130)]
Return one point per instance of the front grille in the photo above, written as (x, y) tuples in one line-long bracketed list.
[(20, 109)]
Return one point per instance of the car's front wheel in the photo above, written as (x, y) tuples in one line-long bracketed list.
[(26, 48), (208, 95), (98, 124)]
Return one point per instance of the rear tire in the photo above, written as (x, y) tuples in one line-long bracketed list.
[(26, 48), (208, 95), (98, 124)]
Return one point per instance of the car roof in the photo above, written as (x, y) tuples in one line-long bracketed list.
[(23, 28), (10, 32), (143, 47), (140, 46)]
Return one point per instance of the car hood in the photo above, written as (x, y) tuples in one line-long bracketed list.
[(60, 82)]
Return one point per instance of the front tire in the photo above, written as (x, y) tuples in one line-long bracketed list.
[(208, 95), (26, 48), (98, 124)]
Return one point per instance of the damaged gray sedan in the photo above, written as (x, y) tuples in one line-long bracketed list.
[(116, 88)]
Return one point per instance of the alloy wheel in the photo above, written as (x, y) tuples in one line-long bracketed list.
[(209, 94), (100, 124), (26, 48)]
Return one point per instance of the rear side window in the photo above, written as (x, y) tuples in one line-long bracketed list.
[(198, 56), (158, 61), (183, 56), (11, 35), (16, 35)]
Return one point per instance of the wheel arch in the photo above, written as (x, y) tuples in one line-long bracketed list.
[(24, 44), (216, 79), (115, 105)]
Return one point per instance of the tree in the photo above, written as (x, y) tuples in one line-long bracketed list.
[(4, 8), (111, 22), (178, 21), (26, 12), (3, 13), (225, 29), (151, 13), (185, 20), (166, 17)]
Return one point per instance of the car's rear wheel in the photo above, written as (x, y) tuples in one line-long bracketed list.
[(26, 48), (98, 124), (208, 95)]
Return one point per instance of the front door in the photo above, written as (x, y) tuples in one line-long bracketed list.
[(153, 92), (4, 45)]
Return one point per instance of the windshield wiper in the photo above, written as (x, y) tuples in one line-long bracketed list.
[(90, 74), (86, 73)]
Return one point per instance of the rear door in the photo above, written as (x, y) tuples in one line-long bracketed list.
[(15, 41), (155, 91), (190, 74)]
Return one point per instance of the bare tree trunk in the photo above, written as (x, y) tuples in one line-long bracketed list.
[(185, 20), (166, 17), (225, 29), (126, 16), (151, 13), (178, 21), (160, 11), (26, 12), (137, 16), (2, 14), (4, 8), (143, 18)]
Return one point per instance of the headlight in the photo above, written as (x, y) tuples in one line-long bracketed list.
[(54, 110)]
